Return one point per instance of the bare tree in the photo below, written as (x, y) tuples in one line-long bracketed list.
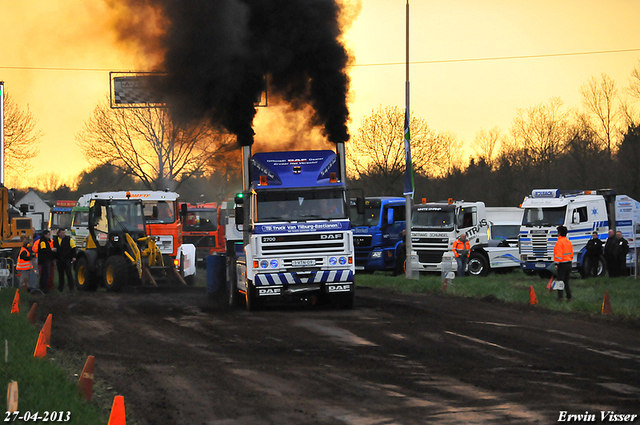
[(487, 145), (147, 144), (599, 96), (541, 131), (49, 181), (378, 147), (20, 137)]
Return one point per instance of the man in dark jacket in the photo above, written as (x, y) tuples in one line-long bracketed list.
[(66, 255), (594, 251), (620, 250), (46, 255), (608, 253)]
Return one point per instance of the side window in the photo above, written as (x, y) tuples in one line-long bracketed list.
[(580, 213), (467, 217), (101, 226), (399, 213)]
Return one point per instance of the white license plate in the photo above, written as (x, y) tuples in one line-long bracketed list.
[(303, 262), (541, 265)]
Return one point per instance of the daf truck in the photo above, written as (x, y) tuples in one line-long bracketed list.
[(435, 226), (297, 242)]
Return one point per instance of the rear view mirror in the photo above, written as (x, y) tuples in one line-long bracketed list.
[(360, 205)]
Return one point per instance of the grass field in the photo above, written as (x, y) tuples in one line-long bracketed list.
[(588, 294), (43, 386)]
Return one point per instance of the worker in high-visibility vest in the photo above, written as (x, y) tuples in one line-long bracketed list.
[(563, 257), (24, 265), (461, 249)]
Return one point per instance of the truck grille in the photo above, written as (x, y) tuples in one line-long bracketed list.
[(539, 244), (430, 257)]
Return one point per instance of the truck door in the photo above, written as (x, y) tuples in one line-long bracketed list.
[(467, 222)]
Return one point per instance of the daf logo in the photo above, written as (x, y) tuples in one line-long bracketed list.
[(269, 291), (338, 288), (331, 236)]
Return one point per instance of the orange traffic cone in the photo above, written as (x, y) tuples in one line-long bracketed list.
[(85, 383), (550, 284), (44, 339), (606, 303), (32, 313), (117, 416), (532, 296), (16, 300)]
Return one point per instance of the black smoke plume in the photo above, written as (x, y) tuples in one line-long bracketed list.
[(220, 55)]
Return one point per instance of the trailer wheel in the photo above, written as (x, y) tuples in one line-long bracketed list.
[(116, 273), (85, 279), (478, 265)]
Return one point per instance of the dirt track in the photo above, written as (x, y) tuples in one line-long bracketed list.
[(394, 359)]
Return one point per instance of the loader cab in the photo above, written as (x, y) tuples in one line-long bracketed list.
[(110, 221)]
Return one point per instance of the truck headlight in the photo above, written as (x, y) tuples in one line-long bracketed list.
[(343, 261), (274, 264), (264, 264), (376, 254), (333, 261)]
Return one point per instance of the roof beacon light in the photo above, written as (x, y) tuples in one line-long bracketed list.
[(263, 180), (128, 195), (450, 201)]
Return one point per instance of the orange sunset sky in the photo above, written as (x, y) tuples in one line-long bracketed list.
[(55, 56)]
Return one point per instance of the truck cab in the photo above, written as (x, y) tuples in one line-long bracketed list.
[(297, 240), (378, 234), (581, 212), (435, 226), (203, 227)]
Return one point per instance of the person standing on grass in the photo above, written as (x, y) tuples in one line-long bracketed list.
[(24, 266), (563, 257), (609, 246), (65, 257), (46, 255), (594, 251), (461, 249), (620, 251)]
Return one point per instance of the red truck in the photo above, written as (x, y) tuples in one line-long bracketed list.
[(202, 228)]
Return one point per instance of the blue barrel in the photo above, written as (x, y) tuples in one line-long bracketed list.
[(216, 274)]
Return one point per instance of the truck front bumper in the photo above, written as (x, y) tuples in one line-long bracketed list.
[(328, 281)]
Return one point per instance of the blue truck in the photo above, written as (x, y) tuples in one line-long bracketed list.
[(296, 235), (379, 234)]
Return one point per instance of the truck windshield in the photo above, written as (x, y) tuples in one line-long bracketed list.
[(201, 220), (371, 216), (544, 216), (301, 205), (166, 213), (60, 220), (80, 219), (433, 218), (126, 216)]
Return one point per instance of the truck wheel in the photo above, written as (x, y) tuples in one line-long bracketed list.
[(85, 278), (478, 265), (252, 301), (585, 270), (116, 273), (400, 260)]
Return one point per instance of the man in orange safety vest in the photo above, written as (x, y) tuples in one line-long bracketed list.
[(563, 257), (461, 249)]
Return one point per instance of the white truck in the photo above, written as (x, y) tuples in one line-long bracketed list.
[(435, 226), (582, 212)]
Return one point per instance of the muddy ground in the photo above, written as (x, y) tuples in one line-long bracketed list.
[(179, 358)]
